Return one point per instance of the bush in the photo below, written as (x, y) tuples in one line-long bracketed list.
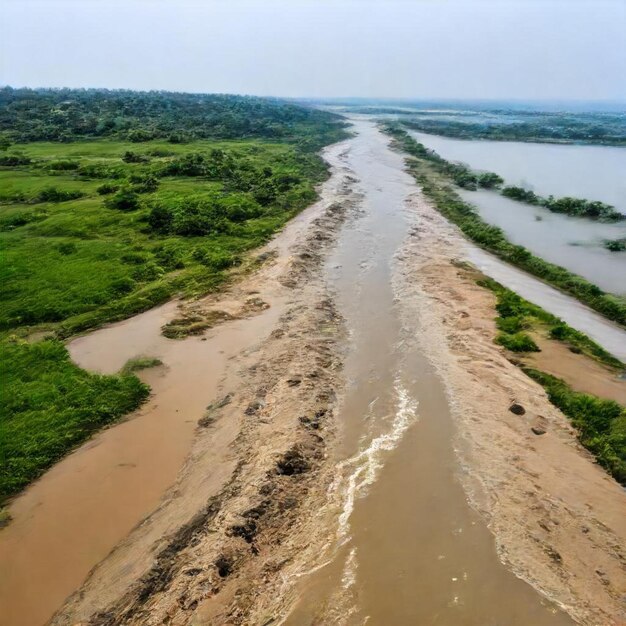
[(521, 195), (189, 217), (123, 200), (63, 166), (134, 157), (144, 183), (489, 180), (52, 194), (107, 188), (517, 342), (12, 160)]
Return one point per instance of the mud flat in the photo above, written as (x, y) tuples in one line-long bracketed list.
[(355, 460), (68, 521)]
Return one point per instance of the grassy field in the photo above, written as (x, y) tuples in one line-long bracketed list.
[(99, 229)]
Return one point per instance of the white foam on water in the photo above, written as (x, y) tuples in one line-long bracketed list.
[(365, 465), (348, 577)]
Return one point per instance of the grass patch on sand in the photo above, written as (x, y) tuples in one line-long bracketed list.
[(50, 405), (601, 423)]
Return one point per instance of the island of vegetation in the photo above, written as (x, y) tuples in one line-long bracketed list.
[(110, 203), (603, 128)]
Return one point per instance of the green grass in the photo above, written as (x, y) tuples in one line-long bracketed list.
[(49, 405), (81, 263), (601, 423), (516, 315), (517, 342), (72, 265)]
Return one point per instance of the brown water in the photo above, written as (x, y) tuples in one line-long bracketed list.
[(408, 548), (71, 518)]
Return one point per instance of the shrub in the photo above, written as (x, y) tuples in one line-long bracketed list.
[(107, 188), (518, 342), (134, 157), (489, 180), (520, 194), (53, 194), (123, 200), (144, 183), (63, 166), (12, 160)]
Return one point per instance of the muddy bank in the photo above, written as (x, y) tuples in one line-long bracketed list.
[(62, 526), (255, 452), (559, 520)]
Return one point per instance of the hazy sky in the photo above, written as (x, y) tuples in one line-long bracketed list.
[(530, 49)]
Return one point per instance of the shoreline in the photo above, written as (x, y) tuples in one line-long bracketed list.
[(565, 544), (260, 470)]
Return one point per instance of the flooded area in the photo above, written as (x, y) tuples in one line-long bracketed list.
[(579, 171), (589, 172), (74, 515), (570, 242), (408, 549), (394, 540)]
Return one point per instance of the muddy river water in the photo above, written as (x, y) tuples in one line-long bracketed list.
[(405, 548), (408, 549)]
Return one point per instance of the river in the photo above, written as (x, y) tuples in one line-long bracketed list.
[(397, 474)]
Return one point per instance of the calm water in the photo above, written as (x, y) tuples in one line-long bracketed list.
[(593, 172)]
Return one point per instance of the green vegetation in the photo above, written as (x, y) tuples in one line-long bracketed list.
[(65, 115), (615, 245), (601, 423), (516, 315), (131, 199), (576, 207), (49, 405), (517, 342), (140, 363), (435, 185), (533, 126)]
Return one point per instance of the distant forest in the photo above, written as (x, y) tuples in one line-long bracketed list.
[(591, 128), (68, 114)]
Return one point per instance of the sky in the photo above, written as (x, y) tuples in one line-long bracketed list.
[(487, 49)]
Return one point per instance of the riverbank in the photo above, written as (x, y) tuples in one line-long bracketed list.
[(369, 391), (556, 517)]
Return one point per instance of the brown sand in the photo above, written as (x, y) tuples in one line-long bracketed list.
[(559, 520)]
